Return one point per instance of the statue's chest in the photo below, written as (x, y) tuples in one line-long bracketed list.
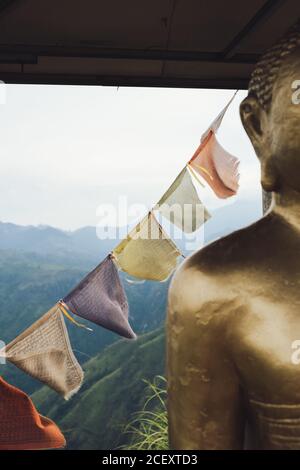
[(267, 348)]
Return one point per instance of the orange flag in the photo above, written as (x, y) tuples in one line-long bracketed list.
[(21, 426), (217, 166)]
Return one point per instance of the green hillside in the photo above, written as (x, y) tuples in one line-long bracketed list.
[(112, 391)]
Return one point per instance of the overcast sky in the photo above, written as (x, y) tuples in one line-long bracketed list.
[(65, 150)]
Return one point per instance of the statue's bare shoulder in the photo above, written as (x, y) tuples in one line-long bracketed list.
[(205, 275), (225, 272)]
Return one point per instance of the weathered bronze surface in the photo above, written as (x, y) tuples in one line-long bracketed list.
[(234, 306)]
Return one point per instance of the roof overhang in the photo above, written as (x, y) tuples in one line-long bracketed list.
[(166, 43)]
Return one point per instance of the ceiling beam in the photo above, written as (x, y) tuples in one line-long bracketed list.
[(134, 54), (261, 15), (17, 59), (124, 81)]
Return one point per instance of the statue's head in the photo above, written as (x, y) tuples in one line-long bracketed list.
[(271, 113)]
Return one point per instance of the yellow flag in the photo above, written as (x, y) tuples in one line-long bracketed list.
[(147, 252)]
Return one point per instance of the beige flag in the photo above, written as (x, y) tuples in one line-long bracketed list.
[(44, 352), (181, 204), (214, 126), (147, 252)]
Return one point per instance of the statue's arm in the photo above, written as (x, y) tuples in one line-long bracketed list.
[(205, 407)]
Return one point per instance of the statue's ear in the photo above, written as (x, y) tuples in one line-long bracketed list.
[(253, 118), (255, 122)]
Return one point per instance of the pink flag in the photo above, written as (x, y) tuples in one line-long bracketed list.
[(217, 166)]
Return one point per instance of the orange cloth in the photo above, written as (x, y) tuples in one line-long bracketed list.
[(21, 426), (217, 166)]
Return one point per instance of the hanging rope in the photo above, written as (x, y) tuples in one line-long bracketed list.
[(65, 309)]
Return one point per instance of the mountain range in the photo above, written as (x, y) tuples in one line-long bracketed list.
[(84, 244)]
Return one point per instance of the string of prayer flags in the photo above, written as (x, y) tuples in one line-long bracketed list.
[(101, 299), (21, 426), (147, 252), (217, 166), (181, 204), (44, 351), (214, 126)]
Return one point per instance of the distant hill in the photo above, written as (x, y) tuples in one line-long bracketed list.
[(46, 240), (113, 390), (231, 217)]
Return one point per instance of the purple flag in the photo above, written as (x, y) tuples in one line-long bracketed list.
[(101, 299)]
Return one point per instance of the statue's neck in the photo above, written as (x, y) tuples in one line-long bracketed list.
[(287, 205)]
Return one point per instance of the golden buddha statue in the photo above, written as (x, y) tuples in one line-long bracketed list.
[(234, 306)]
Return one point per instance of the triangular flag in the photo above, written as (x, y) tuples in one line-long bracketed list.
[(147, 252), (44, 351), (21, 426), (217, 166), (101, 299), (181, 204), (214, 126)]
